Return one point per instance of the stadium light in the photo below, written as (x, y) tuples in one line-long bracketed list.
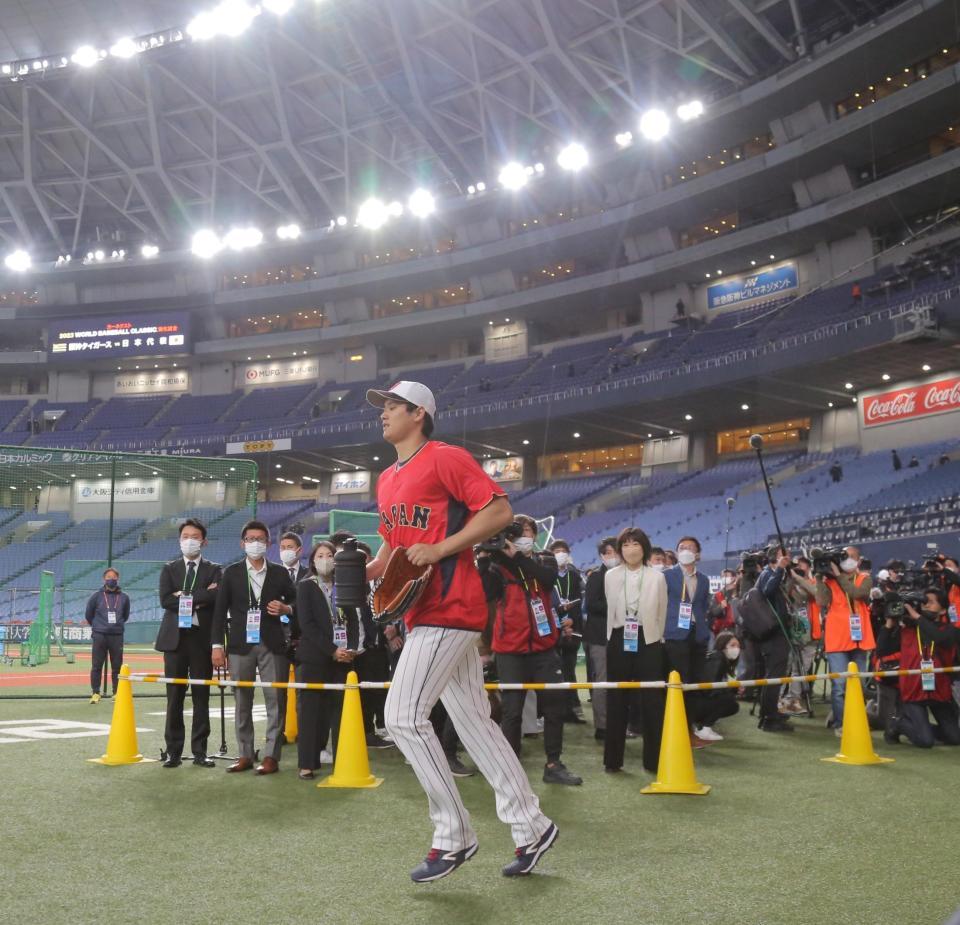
[(373, 214), (654, 125), (421, 203), (885, 377), (691, 110), (288, 232), (85, 56), (926, 367), (149, 250), (239, 239), (206, 244), (124, 48), (688, 417), (513, 176), (623, 139), (395, 209), (744, 407), (231, 17), (341, 221), (848, 385), (19, 261), (573, 157)]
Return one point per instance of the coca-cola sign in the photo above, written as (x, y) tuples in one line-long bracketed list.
[(913, 402)]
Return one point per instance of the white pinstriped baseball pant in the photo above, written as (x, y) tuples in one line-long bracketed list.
[(440, 663)]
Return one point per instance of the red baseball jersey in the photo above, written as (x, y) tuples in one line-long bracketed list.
[(425, 499)]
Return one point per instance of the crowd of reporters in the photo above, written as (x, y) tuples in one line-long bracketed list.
[(642, 612)]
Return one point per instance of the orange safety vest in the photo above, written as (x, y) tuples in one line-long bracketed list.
[(837, 637), (953, 601)]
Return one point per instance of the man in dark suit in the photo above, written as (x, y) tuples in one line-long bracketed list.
[(291, 551), (188, 590), (253, 596)]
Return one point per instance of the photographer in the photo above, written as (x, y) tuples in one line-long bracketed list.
[(885, 591), (925, 639), (720, 613), (525, 635), (943, 574), (842, 594), (567, 597), (807, 632), (721, 665), (774, 647)]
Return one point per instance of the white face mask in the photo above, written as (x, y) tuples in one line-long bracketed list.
[(524, 544), (190, 547), (324, 566), (633, 555), (611, 561), (729, 582), (255, 549), (658, 566), (289, 557), (732, 653), (563, 559), (686, 557), (849, 565)]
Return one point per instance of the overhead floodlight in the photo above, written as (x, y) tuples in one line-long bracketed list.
[(230, 17), (19, 261), (278, 7), (471, 189), (573, 157), (395, 209), (239, 239), (421, 203), (124, 48), (206, 244), (99, 256), (691, 110), (514, 176), (623, 139), (654, 125), (481, 187), (288, 232), (85, 56), (341, 221), (149, 250), (373, 214)]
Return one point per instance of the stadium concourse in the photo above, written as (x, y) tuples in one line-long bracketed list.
[(690, 270)]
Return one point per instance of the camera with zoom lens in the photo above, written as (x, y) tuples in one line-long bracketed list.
[(911, 589), (821, 559), (752, 561), (509, 533)]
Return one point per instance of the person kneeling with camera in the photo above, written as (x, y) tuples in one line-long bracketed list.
[(525, 633), (924, 639)]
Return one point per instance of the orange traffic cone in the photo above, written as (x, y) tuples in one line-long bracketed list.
[(122, 743), (290, 728), (675, 771), (856, 746), (351, 768)]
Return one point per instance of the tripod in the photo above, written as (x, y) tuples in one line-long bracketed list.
[(222, 754)]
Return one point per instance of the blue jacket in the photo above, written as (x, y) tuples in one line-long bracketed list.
[(701, 602), (97, 611)]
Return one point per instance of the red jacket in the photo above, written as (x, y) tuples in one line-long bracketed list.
[(514, 626), (911, 685)]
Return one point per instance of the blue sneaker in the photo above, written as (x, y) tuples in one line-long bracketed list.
[(528, 855), (438, 864)]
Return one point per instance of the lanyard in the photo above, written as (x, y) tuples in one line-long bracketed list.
[(116, 600), (920, 647), (255, 599), (526, 587), (683, 586), (331, 597), (626, 603), (566, 592), (193, 583)]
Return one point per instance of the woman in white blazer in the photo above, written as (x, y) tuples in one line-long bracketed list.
[(636, 616)]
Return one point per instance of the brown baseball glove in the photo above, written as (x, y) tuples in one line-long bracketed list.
[(400, 587)]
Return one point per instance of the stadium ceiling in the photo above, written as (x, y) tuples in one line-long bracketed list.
[(306, 114)]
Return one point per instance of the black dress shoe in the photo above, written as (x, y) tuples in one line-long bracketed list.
[(172, 762), (202, 761)]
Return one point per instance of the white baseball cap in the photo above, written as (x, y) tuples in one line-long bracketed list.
[(414, 392)]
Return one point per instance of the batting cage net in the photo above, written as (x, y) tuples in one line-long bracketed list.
[(73, 513)]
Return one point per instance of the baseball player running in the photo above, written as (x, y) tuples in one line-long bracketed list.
[(438, 503)]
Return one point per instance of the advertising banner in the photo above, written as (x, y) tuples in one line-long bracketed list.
[(740, 290), (907, 403), (97, 491), (155, 382), (278, 372), (349, 483), (258, 446)]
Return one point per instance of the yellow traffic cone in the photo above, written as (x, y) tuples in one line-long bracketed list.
[(122, 743), (856, 746), (290, 727), (675, 771), (351, 768)]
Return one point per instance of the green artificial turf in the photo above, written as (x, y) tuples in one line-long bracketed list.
[(782, 838)]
